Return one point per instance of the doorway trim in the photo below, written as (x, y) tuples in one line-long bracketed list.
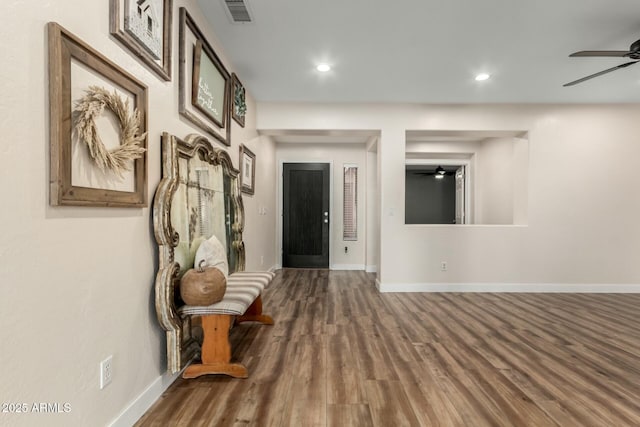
[(280, 202)]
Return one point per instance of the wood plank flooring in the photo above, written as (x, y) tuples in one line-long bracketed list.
[(342, 354)]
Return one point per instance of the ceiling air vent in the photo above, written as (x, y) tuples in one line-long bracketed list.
[(238, 11)]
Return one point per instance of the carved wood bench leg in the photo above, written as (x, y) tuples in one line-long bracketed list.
[(216, 350), (254, 314)]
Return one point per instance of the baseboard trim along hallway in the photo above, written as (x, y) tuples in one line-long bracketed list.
[(579, 288)]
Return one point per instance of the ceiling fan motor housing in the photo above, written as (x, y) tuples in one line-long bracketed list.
[(634, 50)]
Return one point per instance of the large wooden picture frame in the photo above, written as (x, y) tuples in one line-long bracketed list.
[(247, 162), (71, 59), (192, 45), (144, 28), (208, 86)]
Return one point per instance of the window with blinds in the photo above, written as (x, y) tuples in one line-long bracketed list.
[(350, 204)]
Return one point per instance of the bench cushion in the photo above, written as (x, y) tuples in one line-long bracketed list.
[(242, 289)]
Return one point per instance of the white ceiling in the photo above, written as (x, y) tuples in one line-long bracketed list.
[(428, 51), (317, 136)]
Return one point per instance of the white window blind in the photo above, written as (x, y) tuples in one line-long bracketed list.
[(350, 205)]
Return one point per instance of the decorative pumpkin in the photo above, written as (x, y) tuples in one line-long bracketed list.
[(203, 286)]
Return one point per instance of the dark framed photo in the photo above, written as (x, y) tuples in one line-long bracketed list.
[(239, 109), (204, 82), (247, 170), (208, 86), (144, 28), (92, 101)]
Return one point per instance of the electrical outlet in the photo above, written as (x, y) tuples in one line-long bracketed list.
[(106, 372), (443, 266), (346, 249), (262, 260)]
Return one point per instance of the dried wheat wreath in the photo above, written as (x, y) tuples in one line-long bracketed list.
[(91, 106)]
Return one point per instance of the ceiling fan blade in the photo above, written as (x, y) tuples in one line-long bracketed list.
[(608, 70), (614, 53)]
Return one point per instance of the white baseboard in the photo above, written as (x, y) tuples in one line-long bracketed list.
[(143, 402), (347, 266), (332, 267), (369, 269), (510, 287)]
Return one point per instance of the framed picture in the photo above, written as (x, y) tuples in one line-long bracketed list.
[(204, 82), (90, 95), (144, 28), (208, 86), (239, 109), (247, 170)]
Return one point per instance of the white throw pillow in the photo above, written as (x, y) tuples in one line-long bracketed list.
[(213, 254)]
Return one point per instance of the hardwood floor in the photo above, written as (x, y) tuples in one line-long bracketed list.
[(342, 354)]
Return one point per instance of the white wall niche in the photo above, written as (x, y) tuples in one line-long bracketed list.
[(496, 164)]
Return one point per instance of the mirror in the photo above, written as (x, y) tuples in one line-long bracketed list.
[(198, 197)]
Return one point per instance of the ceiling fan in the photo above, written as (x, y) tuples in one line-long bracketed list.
[(633, 53), (439, 172)]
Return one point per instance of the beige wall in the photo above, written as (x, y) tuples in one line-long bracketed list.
[(372, 217), (582, 209), (77, 283), (495, 181), (259, 232)]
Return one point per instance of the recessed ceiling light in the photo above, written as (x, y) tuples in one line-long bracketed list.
[(323, 68), (482, 77)]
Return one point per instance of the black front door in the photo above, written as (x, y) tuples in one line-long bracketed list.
[(305, 222)]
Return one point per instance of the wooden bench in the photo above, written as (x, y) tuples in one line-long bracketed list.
[(200, 196), (242, 302)]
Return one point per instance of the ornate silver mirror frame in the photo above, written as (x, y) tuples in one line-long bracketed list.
[(198, 196)]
